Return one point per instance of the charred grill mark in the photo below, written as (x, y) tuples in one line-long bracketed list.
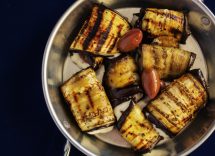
[(78, 105), (132, 134), (124, 115), (185, 92), (75, 97), (110, 41), (125, 130), (200, 90), (140, 143), (185, 120), (105, 34), (162, 27), (112, 45), (153, 26), (81, 32), (194, 83), (168, 15), (89, 98), (163, 114), (115, 39), (157, 121), (144, 125), (175, 100), (95, 28), (170, 109)]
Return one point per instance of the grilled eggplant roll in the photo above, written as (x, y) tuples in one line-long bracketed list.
[(122, 72), (178, 104), (164, 22), (121, 78), (88, 102), (100, 33), (169, 62), (137, 130), (166, 41)]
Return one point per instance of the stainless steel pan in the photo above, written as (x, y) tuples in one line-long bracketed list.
[(55, 70)]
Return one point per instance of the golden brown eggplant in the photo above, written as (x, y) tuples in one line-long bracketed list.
[(169, 62), (163, 22), (121, 79), (100, 33), (137, 130), (122, 72), (88, 101), (166, 41), (179, 103)]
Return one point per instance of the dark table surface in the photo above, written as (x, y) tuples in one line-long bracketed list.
[(26, 126)]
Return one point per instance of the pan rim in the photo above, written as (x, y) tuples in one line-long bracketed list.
[(48, 99)]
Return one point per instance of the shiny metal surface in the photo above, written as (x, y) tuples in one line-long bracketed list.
[(202, 24)]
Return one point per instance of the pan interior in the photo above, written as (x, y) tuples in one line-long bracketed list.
[(192, 45)]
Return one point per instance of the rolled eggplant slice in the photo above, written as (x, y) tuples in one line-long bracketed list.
[(179, 103), (121, 72), (169, 62), (164, 22), (137, 130), (88, 102), (121, 79), (166, 41), (100, 33)]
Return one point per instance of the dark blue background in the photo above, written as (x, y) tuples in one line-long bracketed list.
[(26, 126)]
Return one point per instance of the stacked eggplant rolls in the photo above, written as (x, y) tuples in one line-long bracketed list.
[(146, 83)]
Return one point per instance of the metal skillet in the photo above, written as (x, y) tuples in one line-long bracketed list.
[(56, 69)]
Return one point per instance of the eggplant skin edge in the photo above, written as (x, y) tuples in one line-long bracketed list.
[(88, 115), (100, 33), (166, 60), (145, 124), (196, 74)]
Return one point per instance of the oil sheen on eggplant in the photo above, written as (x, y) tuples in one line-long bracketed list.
[(168, 61), (121, 79), (100, 33), (88, 102), (137, 130), (179, 103), (122, 72), (164, 22)]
